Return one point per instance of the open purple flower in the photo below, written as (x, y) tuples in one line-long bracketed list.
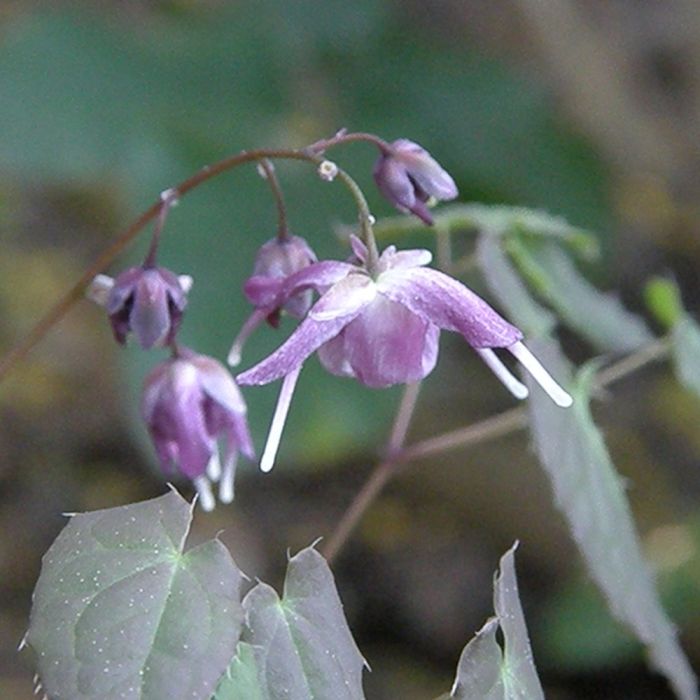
[(408, 176), (146, 300), (190, 403), (383, 329), (276, 260)]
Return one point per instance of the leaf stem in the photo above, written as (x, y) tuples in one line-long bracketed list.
[(379, 477), (490, 428)]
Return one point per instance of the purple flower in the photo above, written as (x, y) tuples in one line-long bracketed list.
[(408, 176), (383, 329), (275, 262), (190, 403), (146, 300)]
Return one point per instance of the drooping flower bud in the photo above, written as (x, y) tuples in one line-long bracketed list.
[(190, 403), (276, 260), (148, 301), (409, 176)]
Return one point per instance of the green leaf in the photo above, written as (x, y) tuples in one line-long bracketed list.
[(497, 220), (664, 301), (685, 350), (590, 494), (299, 647), (598, 317), (122, 611), (508, 288), (484, 671)]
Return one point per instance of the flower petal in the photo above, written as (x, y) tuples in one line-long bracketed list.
[(353, 292), (319, 276), (218, 384), (336, 309), (428, 174), (150, 313), (388, 344), (447, 303), (404, 259)]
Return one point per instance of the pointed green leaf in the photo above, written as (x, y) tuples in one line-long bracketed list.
[(591, 496), (484, 671), (663, 299), (506, 285), (122, 611), (299, 647), (599, 317), (685, 349)]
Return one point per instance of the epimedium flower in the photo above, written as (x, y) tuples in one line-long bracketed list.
[(382, 328), (148, 301), (408, 176), (275, 261), (190, 404)]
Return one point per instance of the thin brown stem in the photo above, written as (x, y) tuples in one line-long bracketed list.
[(268, 171), (342, 137), (488, 429), (379, 476), (75, 293)]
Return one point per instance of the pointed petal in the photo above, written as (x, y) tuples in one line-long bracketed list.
[(150, 314), (307, 338), (429, 175), (218, 384), (122, 289), (394, 183), (447, 303), (319, 276), (358, 248), (403, 259), (152, 389)]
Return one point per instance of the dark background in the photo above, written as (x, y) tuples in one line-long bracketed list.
[(588, 108)]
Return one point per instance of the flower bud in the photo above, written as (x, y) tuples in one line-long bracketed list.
[(190, 402), (409, 176), (146, 300), (276, 260)]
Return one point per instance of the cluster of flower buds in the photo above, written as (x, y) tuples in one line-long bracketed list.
[(377, 320)]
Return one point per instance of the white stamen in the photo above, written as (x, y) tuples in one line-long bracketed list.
[(99, 289), (540, 375), (517, 388), (327, 170), (252, 322), (226, 483), (206, 497), (214, 466), (278, 420), (23, 642), (186, 282)]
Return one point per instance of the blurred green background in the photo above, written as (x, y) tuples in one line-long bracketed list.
[(587, 109)]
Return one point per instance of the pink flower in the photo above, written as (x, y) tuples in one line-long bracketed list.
[(409, 176), (383, 329), (275, 262), (190, 403), (148, 301)]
